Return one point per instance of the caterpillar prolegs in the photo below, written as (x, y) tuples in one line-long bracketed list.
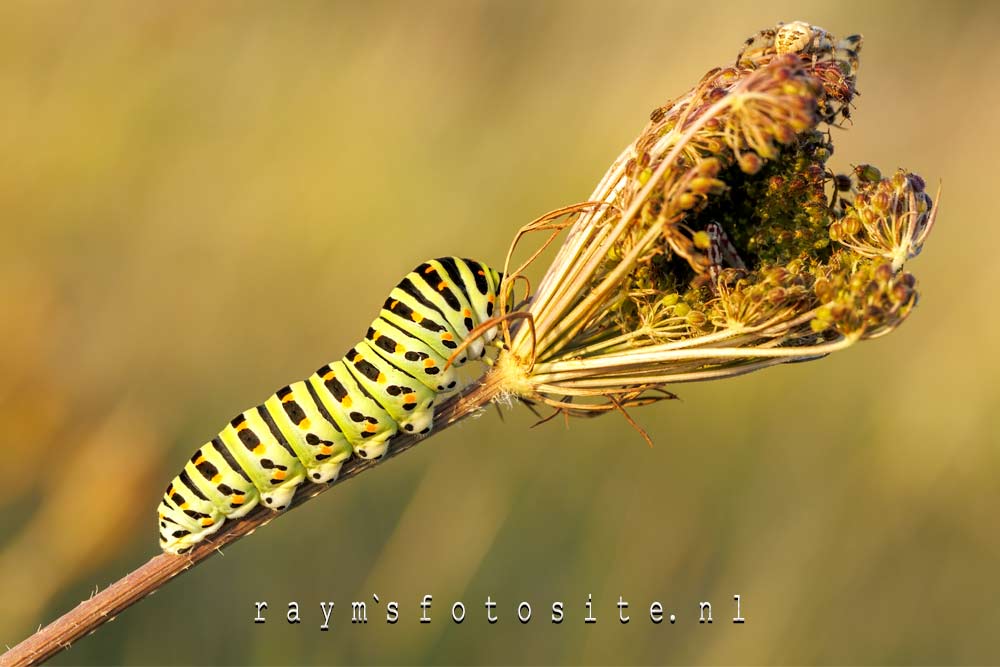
[(386, 384)]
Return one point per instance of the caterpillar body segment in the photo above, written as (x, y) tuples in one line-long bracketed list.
[(387, 384), (293, 415), (363, 421), (410, 403), (425, 364)]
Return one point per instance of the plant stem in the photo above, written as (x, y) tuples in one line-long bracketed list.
[(90, 614)]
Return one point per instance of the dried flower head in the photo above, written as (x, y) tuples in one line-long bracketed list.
[(719, 242)]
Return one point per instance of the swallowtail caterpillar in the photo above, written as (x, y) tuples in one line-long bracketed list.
[(386, 384)]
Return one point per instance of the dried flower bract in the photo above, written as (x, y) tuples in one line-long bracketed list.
[(719, 242)]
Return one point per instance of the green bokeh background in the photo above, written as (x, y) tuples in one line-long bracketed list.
[(201, 203)]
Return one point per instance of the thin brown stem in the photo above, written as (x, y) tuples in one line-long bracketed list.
[(90, 614)]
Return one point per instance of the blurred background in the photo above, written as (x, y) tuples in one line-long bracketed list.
[(202, 202)]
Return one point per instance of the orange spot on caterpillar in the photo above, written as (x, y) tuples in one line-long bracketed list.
[(346, 401), (446, 336), (480, 272), (400, 349), (288, 399), (378, 334), (217, 479), (238, 500), (392, 306), (410, 398), (280, 474), (207, 522), (442, 285), (304, 424), (241, 426), (428, 363), (381, 378), (329, 376), (183, 506), (466, 313), (201, 459), (417, 317), (326, 449), (429, 269), (260, 449), (371, 428)]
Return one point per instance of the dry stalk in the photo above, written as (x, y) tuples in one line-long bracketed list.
[(90, 614)]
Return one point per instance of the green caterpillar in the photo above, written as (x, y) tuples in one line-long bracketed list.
[(386, 384)]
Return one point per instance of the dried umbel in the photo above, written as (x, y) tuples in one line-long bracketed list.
[(719, 242)]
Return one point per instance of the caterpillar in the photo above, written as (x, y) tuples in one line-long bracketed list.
[(386, 384)]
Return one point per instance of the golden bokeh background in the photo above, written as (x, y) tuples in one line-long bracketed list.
[(202, 202)]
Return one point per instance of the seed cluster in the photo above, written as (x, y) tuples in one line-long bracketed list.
[(758, 167)]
